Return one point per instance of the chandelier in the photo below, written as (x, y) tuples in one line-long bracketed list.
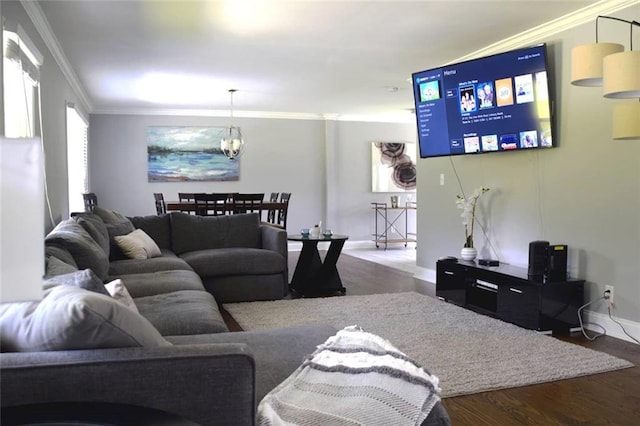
[(232, 145)]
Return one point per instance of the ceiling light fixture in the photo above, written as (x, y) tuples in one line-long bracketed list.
[(233, 145)]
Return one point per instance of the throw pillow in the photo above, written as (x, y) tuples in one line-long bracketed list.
[(71, 318), (85, 279), (138, 245), (84, 249), (119, 292), (96, 228), (349, 377)]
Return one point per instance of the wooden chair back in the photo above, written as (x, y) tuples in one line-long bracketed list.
[(161, 207), (90, 201), (214, 204), (282, 212), (248, 203)]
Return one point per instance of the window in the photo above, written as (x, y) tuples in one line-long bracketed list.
[(21, 68), (77, 163)]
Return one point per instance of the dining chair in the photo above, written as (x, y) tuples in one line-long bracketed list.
[(248, 203), (90, 201), (271, 213), (185, 197), (214, 204), (161, 206), (281, 220)]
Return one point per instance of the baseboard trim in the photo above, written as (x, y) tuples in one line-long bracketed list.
[(425, 274), (591, 318)]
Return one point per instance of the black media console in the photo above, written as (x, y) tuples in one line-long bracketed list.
[(506, 292)]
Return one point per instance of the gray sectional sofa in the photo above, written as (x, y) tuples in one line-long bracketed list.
[(171, 353)]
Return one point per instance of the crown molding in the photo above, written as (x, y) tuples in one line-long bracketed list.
[(404, 117), (208, 113), (531, 36), (544, 31), (39, 20)]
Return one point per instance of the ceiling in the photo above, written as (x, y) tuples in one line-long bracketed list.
[(326, 58)]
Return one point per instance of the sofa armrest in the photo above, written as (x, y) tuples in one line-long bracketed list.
[(208, 384), (274, 239)]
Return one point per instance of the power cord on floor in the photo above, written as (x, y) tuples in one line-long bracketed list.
[(621, 326), (584, 333), (606, 297)]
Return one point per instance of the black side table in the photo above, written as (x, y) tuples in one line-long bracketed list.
[(312, 277)]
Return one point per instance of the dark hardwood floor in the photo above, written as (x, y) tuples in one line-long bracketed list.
[(600, 399)]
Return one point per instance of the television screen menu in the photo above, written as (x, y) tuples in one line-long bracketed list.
[(489, 104)]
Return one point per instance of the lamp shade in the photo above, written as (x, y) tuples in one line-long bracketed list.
[(621, 73), (586, 62), (626, 121)]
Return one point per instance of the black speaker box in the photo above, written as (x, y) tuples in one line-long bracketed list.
[(538, 259), (557, 269)]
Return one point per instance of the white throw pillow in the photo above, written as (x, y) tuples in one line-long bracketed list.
[(118, 291), (138, 245)]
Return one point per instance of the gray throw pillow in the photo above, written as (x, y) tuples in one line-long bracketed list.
[(85, 279), (109, 216), (96, 228), (84, 249), (71, 318)]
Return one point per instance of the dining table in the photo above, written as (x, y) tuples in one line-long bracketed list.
[(190, 206)]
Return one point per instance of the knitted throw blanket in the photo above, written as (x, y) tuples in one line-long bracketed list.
[(354, 378)]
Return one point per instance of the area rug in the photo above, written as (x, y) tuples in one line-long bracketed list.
[(469, 352)]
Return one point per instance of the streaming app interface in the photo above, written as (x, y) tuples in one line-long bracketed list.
[(495, 103)]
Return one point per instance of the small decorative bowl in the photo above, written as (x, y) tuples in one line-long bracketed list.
[(327, 233), (304, 232)]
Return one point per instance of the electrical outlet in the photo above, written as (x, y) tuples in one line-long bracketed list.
[(441, 179), (610, 288)]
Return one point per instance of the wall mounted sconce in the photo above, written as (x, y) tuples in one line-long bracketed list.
[(233, 145), (618, 71)]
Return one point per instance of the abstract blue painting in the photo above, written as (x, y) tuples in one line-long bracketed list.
[(187, 154)]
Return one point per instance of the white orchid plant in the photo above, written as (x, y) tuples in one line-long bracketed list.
[(468, 206)]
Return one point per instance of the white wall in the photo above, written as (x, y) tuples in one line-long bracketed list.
[(584, 193), (55, 93), (326, 165)]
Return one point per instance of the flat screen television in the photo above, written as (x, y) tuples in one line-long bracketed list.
[(491, 104)]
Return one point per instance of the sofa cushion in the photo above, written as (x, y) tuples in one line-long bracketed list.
[(109, 216), (157, 227), (137, 245), (70, 318), (182, 312), (148, 284), (166, 262), (119, 292), (55, 266), (60, 252), (84, 249), (234, 261), (96, 228), (85, 279), (277, 352), (192, 233)]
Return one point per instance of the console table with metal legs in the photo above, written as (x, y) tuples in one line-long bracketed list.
[(390, 219)]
